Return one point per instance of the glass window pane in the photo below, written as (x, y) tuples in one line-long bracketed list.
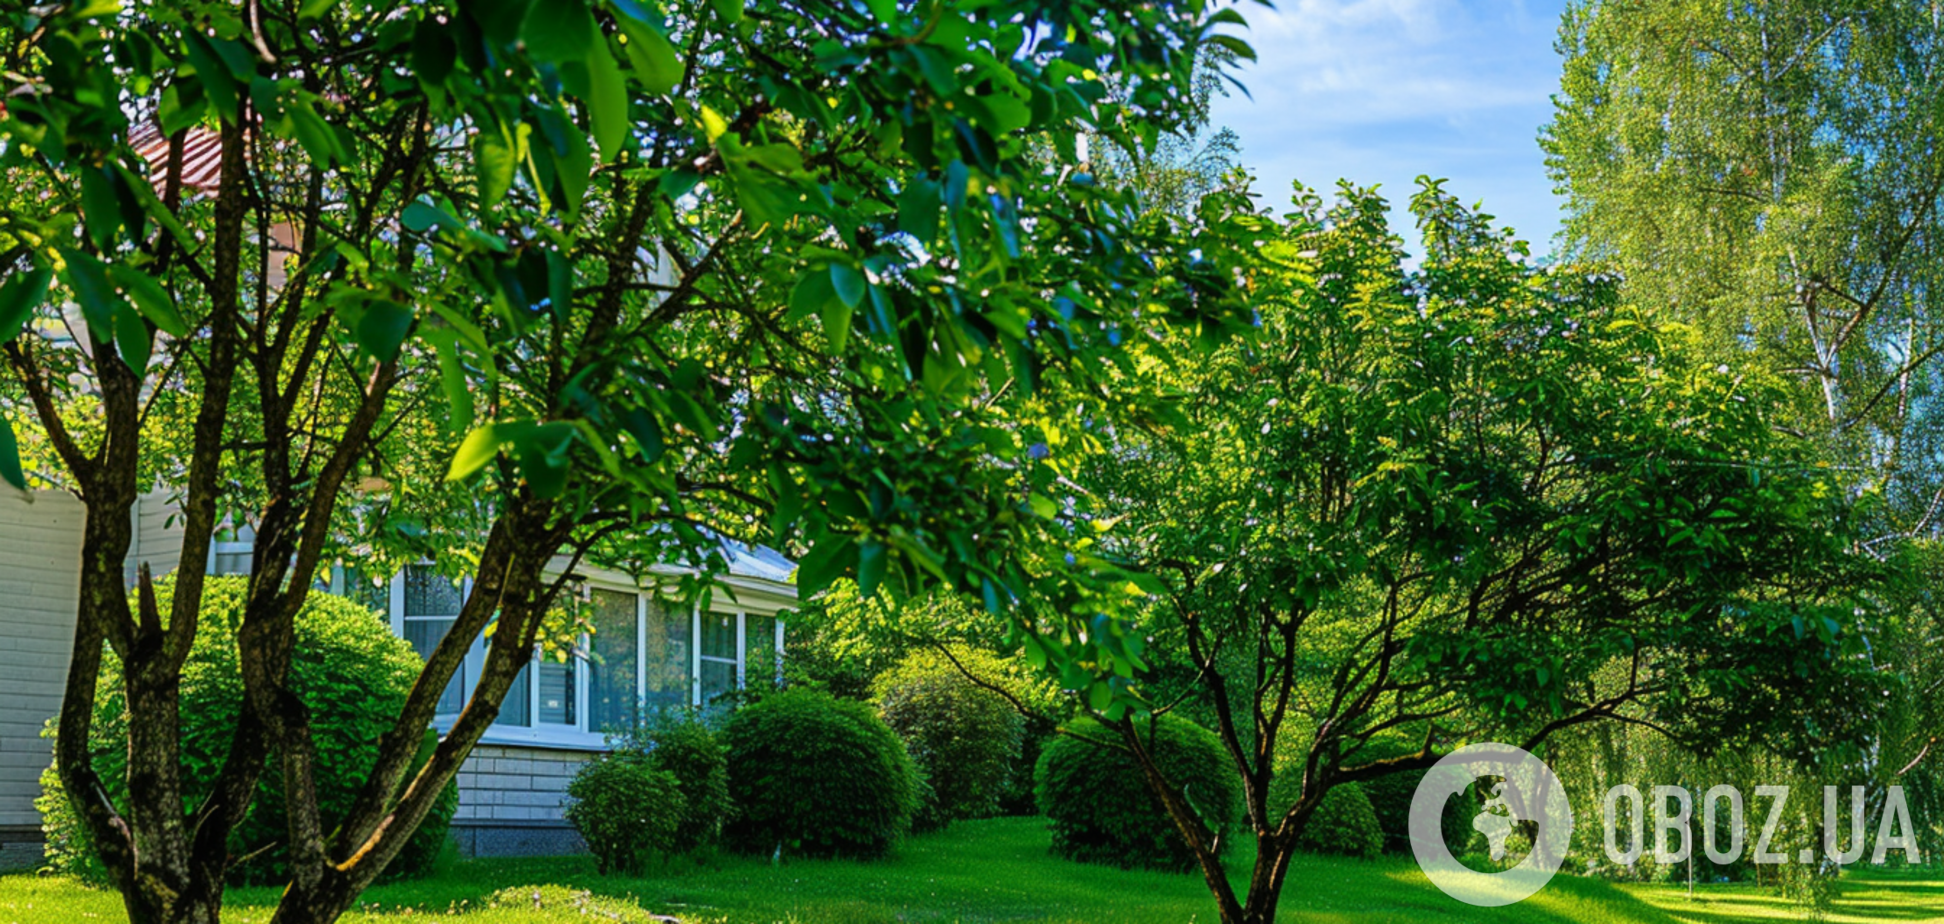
[(759, 649), (362, 589), (718, 677), (719, 635), (556, 692), (517, 708), (428, 593), (424, 636), (612, 699), (667, 657)]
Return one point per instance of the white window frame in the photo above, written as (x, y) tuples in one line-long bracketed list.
[(579, 736)]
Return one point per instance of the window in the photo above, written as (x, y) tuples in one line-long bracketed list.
[(665, 667), (432, 603), (637, 655), (721, 649), (762, 652), (614, 671)]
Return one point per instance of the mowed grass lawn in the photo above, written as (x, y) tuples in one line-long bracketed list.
[(986, 871)]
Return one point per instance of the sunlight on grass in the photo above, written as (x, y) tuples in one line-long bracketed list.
[(987, 871)]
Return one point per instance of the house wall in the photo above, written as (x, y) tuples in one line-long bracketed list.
[(512, 800), (40, 578)]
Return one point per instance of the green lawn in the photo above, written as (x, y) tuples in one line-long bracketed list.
[(985, 871)]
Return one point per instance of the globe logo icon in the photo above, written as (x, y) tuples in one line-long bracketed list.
[(1520, 795)]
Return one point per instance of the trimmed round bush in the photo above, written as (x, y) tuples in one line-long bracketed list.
[(626, 811), (816, 776), (963, 737), (1343, 825), (688, 750), (1390, 795), (1100, 806), (347, 668)]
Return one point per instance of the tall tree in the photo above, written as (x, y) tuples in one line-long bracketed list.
[(1471, 500), (653, 273), (1771, 172)]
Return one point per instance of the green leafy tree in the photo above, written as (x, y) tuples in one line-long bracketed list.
[(504, 280), (1473, 500), (1770, 174)]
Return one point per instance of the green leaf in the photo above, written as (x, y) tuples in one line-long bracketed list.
[(132, 339), (560, 31), (10, 456), (811, 294), (607, 103), (731, 11), (150, 299), (1100, 695), (88, 277), (823, 565), (100, 207), (836, 317), (458, 391), (475, 451), (848, 283), (647, 434), (1234, 45), (433, 52), (871, 564), (494, 159), (573, 167), (217, 83), (885, 11), (918, 209), (381, 332), (421, 215), (656, 62), (315, 134), (499, 20), (19, 296)]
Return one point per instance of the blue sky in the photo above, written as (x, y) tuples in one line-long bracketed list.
[(1380, 91)]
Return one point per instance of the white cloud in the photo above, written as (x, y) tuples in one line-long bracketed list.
[(1382, 90)]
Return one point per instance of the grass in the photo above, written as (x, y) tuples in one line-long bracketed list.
[(985, 871)]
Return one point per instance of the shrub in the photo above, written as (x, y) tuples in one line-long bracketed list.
[(1100, 806), (1343, 825), (816, 776), (348, 669), (684, 747), (1390, 795), (963, 737), (625, 810)]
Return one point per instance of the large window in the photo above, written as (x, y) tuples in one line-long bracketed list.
[(432, 603), (636, 655), (614, 668)]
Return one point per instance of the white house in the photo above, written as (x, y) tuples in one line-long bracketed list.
[(512, 789)]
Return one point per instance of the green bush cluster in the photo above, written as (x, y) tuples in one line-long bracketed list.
[(816, 776), (350, 672), (626, 811), (964, 738), (1100, 806), (1343, 825), (684, 747)]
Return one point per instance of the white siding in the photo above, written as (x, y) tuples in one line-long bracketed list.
[(158, 536), (515, 784), (40, 577)]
